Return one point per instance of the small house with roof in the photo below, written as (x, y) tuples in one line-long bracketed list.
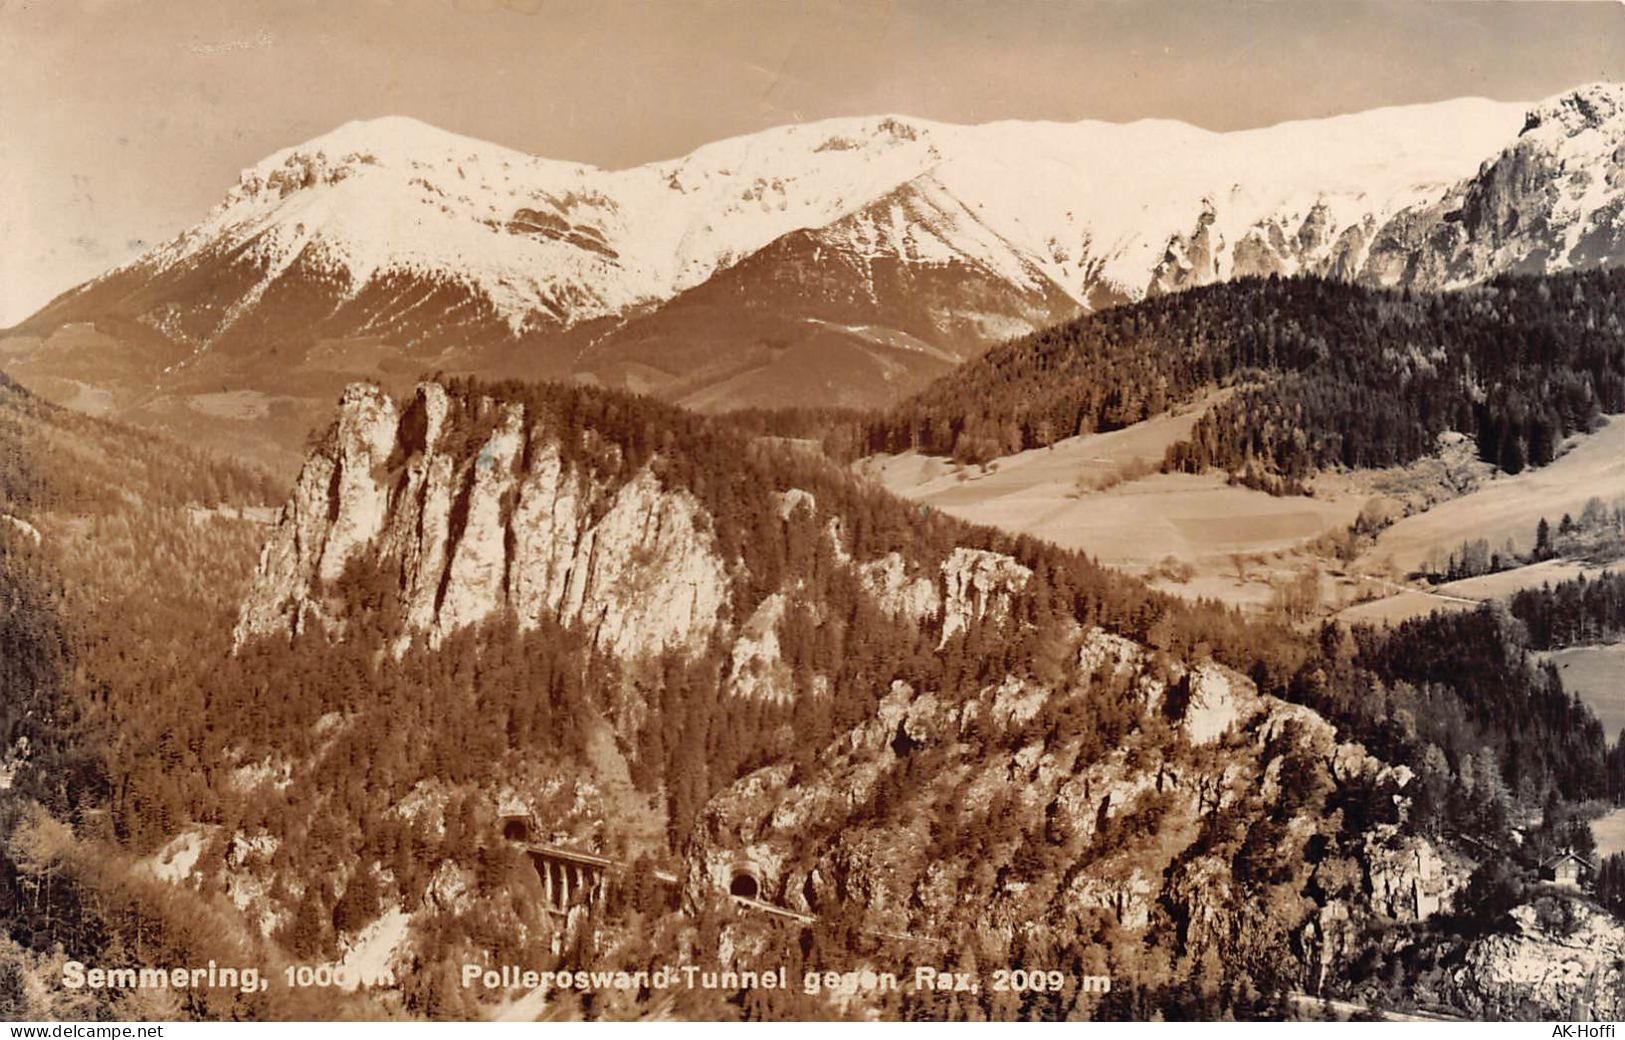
[(1567, 869)]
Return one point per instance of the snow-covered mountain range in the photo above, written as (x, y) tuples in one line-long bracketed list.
[(547, 242), (842, 261)]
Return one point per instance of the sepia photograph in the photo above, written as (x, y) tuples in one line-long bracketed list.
[(808, 511)]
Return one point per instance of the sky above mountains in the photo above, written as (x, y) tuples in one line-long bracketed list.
[(122, 122)]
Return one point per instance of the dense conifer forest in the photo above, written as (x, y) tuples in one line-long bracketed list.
[(1326, 374), (1573, 613)]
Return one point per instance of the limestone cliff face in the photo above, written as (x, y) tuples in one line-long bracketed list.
[(898, 593), (472, 508), (336, 507), (1192, 259), (1310, 243), (970, 585), (1553, 200), (1411, 878), (470, 530), (976, 584)]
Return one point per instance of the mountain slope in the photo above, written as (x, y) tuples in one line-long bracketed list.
[(544, 242), (853, 313), (121, 558), (908, 730), (916, 733), (841, 262)]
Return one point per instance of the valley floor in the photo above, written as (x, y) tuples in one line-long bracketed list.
[(1407, 602), (1200, 536), (1510, 506), (1195, 536)]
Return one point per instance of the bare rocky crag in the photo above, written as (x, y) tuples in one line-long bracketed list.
[(1551, 201), (506, 527), (468, 531), (1129, 842), (1570, 965)]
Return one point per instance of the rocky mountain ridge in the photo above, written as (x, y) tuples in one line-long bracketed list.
[(506, 529)]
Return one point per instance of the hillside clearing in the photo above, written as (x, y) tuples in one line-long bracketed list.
[(1597, 675), (1509, 507)]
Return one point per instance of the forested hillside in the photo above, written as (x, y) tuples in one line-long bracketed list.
[(122, 556), (124, 551), (877, 675), (816, 564), (1328, 375)]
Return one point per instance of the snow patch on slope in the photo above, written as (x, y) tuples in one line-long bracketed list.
[(370, 956)]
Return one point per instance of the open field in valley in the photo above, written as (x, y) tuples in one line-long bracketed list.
[(1597, 675), (1510, 506)]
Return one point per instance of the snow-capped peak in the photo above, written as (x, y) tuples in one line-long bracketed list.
[(392, 135)]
